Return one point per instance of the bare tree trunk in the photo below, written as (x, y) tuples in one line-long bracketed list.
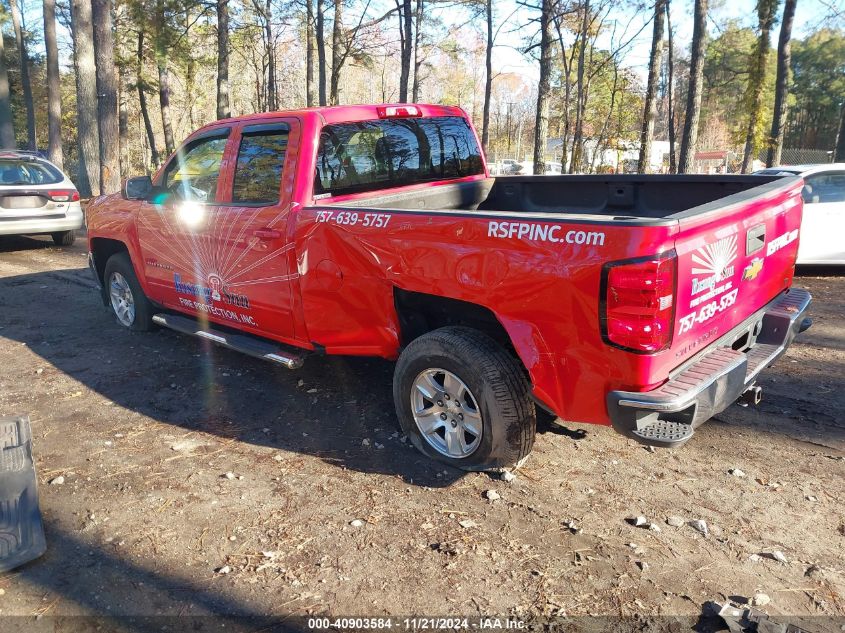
[(650, 110), (418, 22), (142, 101), (161, 51), (488, 82), (696, 78), (223, 109), (839, 151), (122, 57), (190, 72), (26, 84), (566, 80), (54, 95), (541, 126), (321, 52), (577, 139), (164, 103), (406, 24), (272, 96), (123, 121), (7, 124), (87, 132), (766, 10), (670, 62), (309, 53), (107, 96), (337, 53), (781, 85)]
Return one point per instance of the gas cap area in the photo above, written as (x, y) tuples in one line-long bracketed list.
[(328, 275)]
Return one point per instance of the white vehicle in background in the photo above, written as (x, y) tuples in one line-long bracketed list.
[(526, 168), (823, 225), (506, 166), (37, 198)]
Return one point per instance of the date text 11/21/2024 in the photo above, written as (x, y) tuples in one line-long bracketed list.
[(417, 623)]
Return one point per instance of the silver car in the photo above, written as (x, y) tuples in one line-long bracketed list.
[(37, 198)]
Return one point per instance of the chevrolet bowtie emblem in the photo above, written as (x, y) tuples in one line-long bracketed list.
[(753, 269)]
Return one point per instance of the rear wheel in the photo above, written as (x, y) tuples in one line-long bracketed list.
[(463, 400), (64, 238), (128, 302)]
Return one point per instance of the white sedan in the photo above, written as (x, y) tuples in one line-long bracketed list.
[(824, 211), (36, 197)]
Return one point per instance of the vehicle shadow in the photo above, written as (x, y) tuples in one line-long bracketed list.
[(22, 243), (123, 594), (339, 409), (819, 271)]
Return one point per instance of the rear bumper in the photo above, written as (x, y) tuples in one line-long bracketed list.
[(71, 220), (669, 415)]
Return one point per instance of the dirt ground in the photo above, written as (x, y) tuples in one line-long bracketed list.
[(145, 427)]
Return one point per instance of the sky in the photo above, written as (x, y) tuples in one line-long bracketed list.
[(810, 15), (516, 24)]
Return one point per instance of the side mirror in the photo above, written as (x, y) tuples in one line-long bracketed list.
[(137, 188)]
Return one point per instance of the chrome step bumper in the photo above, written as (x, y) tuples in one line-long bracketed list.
[(669, 415)]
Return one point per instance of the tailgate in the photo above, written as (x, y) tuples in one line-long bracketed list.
[(732, 260)]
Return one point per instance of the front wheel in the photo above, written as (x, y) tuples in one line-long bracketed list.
[(463, 400), (128, 302)]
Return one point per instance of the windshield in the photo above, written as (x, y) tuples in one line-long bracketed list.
[(28, 171), (371, 155)]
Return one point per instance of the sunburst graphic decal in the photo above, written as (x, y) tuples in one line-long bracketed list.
[(715, 258), (220, 252)]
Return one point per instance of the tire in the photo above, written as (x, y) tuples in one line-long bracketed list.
[(119, 269), (498, 389), (64, 238)]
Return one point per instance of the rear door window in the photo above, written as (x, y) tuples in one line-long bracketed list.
[(372, 155), (261, 157)]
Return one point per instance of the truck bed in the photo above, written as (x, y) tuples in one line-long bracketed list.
[(623, 197), (537, 251)]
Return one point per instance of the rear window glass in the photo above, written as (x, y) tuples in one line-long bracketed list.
[(371, 155), (28, 172)]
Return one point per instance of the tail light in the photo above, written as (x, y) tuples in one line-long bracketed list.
[(638, 296), (63, 195)]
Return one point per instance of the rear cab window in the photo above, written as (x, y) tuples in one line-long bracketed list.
[(381, 154)]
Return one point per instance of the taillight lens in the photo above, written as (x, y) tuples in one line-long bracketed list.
[(64, 195), (639, 303)]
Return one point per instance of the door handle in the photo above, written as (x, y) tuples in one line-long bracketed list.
[(267, 234)]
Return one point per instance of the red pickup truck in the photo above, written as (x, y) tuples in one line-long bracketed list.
[(649, 303)]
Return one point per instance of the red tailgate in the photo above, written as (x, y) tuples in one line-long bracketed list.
[(732, 261)]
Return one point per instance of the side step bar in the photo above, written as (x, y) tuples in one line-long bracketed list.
[(244, 343)]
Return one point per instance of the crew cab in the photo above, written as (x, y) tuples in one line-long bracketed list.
[(649, 303)]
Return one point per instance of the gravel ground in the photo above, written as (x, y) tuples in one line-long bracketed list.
[(182, 461)]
